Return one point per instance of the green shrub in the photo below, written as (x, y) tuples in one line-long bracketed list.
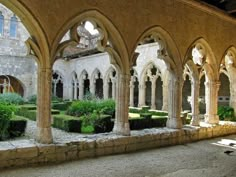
[(159, 121), (32, 99), (135, 110), (107, 107), (226, 113), (11, 98), (146, 115), (67, 123), (158, 113), (60, 106), (6, 112), (17, 126)]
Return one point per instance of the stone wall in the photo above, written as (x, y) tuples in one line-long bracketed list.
[(27, 152)]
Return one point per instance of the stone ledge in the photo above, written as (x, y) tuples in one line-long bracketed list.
[(28, 152)]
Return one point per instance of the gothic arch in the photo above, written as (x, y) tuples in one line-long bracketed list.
[(145, 68), (95, 71), (168, 50), (107, 73), (117, 48), (210, 63)]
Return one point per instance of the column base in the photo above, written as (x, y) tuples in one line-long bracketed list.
[(44, 135), (121, 128), (153, 107), (212, 118), (175, 123), (195, 121)]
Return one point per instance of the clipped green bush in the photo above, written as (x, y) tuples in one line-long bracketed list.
[(158, 113), (62, 106), (67, 123), (17, 126), (6, 112), (107, 107), (11, 98), (135, 110), (226, 113), (32, 99)]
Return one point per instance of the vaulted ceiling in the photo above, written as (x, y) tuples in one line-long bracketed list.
[(229, 6)]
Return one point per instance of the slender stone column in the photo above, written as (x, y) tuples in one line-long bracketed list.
[(174, 101), (211, 97), (131, 99), (121, 125), (44, 134), (232, 79), (105, 90), (93, 87), (165, 95), (113, 88), (75, 91), (55, 88), (81, 89), (194, 103), (142, 87), (153, 106)]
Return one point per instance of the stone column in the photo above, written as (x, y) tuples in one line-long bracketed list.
[(153, 106), (194, 103), (44, 133), (211, 97), (232, 79), (121, 125), (142, 87), (93, 87), (165, 95), (174, 102), (113, 88), (55, 88), (105, 90), (81, 89), (131, 95), (75, 91)]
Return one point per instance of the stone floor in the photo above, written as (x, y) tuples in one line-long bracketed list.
[(201, 159)]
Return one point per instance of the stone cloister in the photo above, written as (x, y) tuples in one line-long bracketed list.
[(154, 74)]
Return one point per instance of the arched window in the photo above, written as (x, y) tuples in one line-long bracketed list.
[(1, 24), (13, 26)]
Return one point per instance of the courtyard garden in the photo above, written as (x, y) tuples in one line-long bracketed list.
[(91, 115)]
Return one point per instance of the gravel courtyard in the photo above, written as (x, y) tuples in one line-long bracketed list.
[(200, 159)]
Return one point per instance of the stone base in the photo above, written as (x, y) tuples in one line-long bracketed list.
[(121, 128), (27, 152), (174, 123), (195, 121), (212, 119), (44, 135)]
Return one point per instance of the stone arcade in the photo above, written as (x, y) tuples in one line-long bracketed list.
[(167, 60)]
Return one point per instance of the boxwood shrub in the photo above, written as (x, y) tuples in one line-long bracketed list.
[(67, 123), (11, 98), (226, 113), (17, 126)]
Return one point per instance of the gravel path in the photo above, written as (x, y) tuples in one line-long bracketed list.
[(201, 159)]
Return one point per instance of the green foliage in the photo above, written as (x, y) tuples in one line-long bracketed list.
[(146, 115), (135, 110), (6, 112), (67, 123), (62, 106), (89, 96), (11, 98), (86, 107), (17, 126), (226, 113), (32, 99)]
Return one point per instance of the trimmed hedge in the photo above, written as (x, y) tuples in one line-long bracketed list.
[(67, 123), (17, 126), (62, 106), (158, 113)]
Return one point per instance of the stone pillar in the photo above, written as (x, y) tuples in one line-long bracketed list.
[(93, 87), (131, 95), (105, 90), (194, 103), (142, 87), (113, 88), (174, 102), (121, 125), (55, 88), (153, 106), (75, 91), (232, 79), (81, 89), (211, 97), (44, 133), (165, 95)]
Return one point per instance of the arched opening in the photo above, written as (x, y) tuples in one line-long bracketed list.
[(57, 85), (11, 84), (224, 90), (99, 86), (186, 94)]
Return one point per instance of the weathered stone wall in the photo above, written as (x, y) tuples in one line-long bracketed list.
[(27, 152)]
